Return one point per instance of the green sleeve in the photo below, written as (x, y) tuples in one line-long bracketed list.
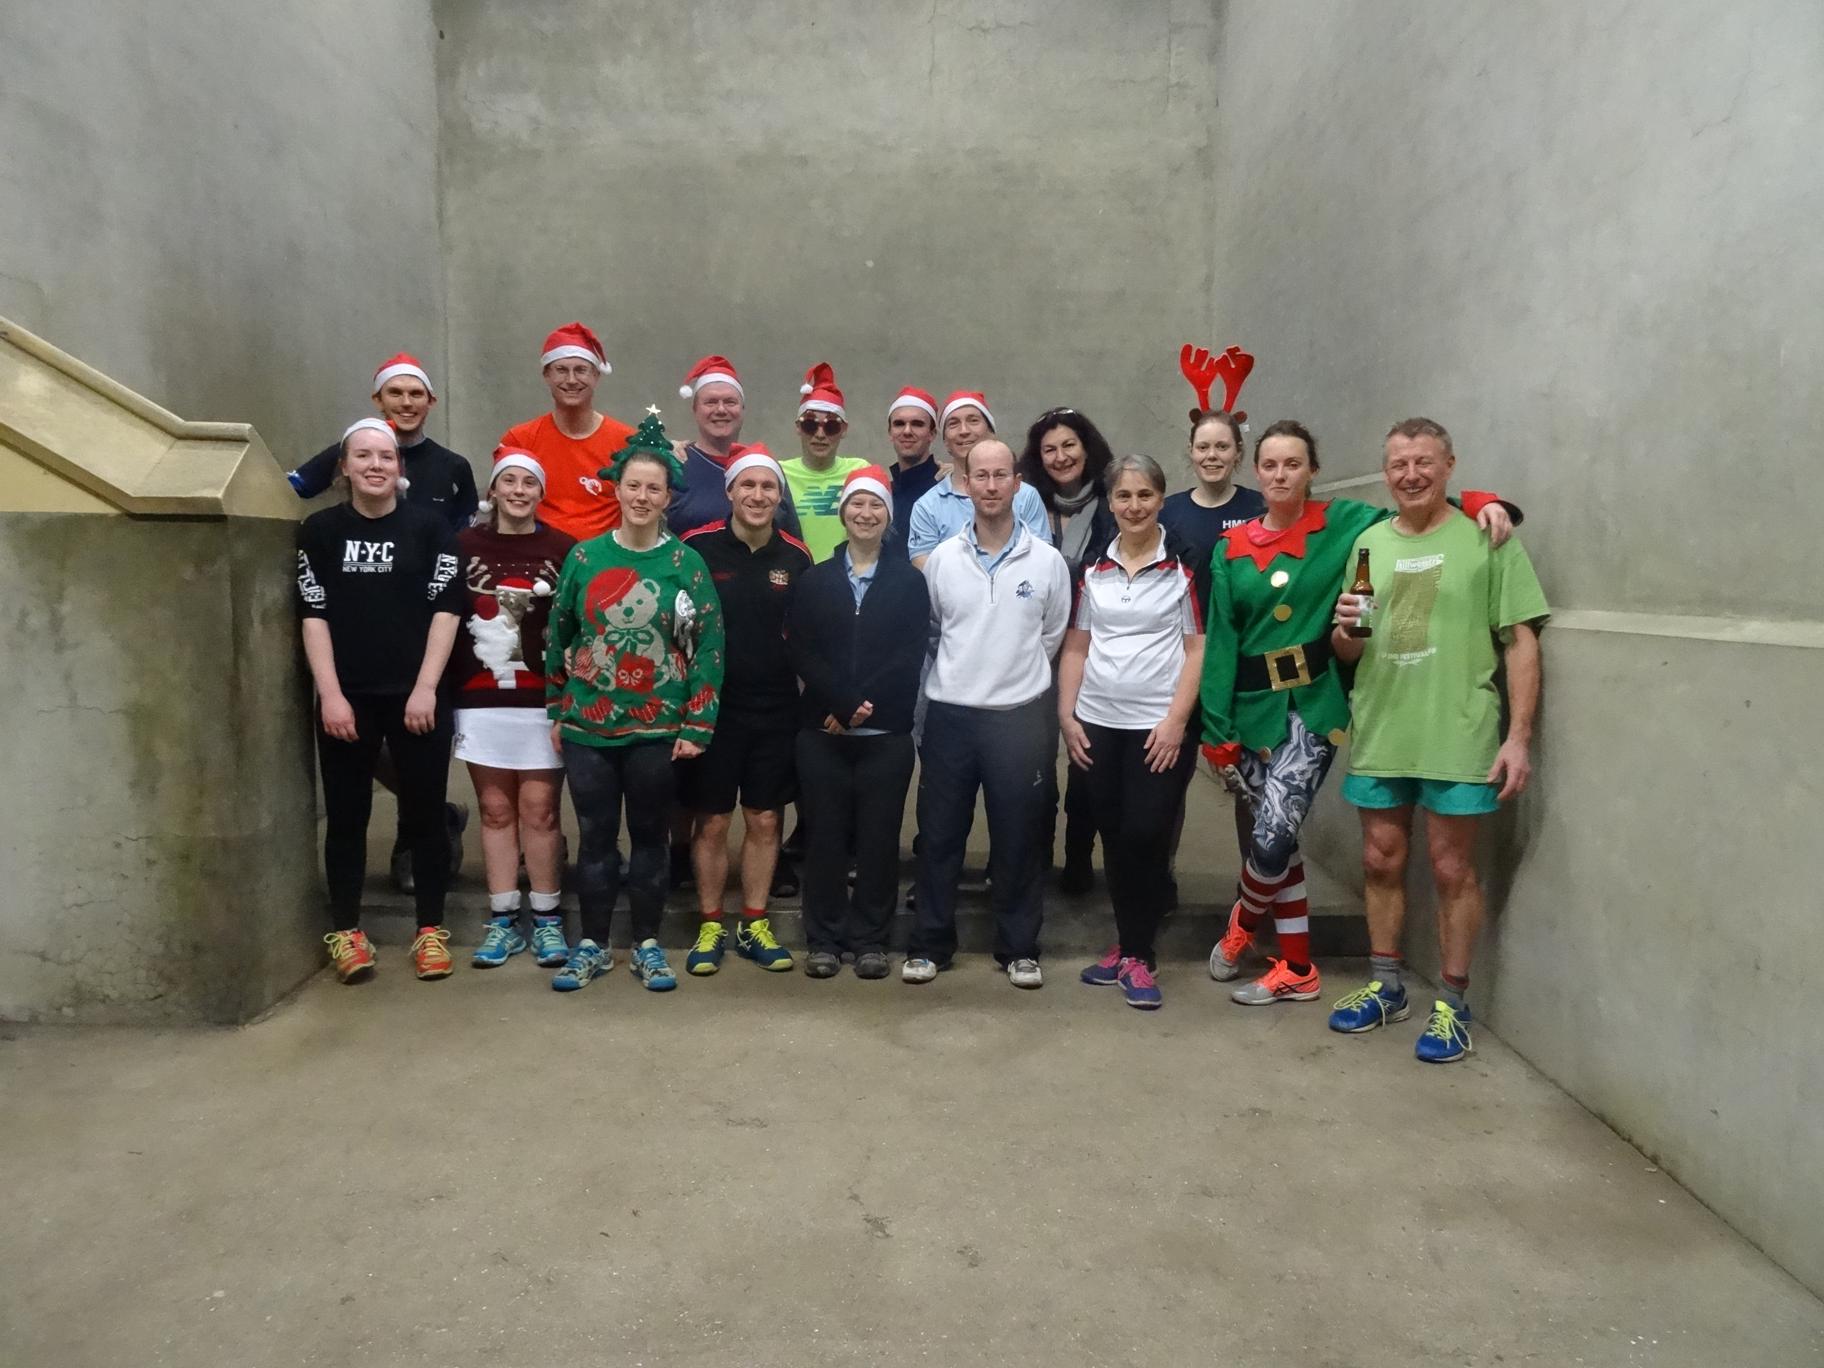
[(560, 632), (1352, 517), (1514, 594), (1221, 644), (703, 699)]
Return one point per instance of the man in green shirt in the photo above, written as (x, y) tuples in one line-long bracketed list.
[(816, 477), (1447, 610)]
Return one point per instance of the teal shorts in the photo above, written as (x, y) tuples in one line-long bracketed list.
[(1434, 795)]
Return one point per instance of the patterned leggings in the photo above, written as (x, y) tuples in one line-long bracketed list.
[(1280, 791)]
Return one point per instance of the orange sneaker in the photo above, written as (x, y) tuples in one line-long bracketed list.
[(1225, 959), (351, 954), (1279, 984), (431, 953)]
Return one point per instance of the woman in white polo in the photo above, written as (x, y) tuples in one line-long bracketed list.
[(1127, 690)]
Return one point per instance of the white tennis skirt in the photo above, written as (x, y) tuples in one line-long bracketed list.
[(506, 738)]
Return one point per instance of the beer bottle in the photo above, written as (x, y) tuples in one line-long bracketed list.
[(1363, 587)]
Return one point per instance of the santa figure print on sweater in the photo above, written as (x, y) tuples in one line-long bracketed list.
[(498, 628)]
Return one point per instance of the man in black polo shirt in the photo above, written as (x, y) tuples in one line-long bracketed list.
[(431, 476), (911, 428), (753, 565)]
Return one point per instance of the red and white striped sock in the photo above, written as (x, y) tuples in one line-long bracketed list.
[(1292, 917), (1257, 894)]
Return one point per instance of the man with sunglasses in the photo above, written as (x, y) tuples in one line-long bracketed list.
[(815, 478), (946, 509)]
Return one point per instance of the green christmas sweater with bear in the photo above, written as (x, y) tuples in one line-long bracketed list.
[(614, 668)]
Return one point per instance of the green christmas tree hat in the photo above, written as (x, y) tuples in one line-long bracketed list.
[(648, 439)]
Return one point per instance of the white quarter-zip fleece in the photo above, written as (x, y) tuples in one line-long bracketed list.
[(996, 634)]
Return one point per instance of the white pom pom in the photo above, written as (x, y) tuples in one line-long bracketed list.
[(804, 389), (685, 391), (542, 588), (404, 484), (485, 506)]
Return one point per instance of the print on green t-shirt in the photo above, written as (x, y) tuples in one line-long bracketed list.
[(1425, 704), (814, 495)]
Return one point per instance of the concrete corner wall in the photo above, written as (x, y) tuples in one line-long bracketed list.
[(1584, 239), (230, 208), (1007, 196)]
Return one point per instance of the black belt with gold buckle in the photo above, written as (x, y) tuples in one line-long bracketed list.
[(1289, 668)]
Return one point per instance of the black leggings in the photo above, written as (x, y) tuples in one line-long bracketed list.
[(603, 779), (1134, 808), (422, 767)]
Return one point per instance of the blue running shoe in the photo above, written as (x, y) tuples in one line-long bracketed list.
[(1446, 1040), (1105, 972), (754, 940), (500, 941), (1139, 986), (649, 965), (587, 961), (548, 947), (1370, 1008), (705, 956)]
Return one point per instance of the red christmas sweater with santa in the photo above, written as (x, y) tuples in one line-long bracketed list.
[(499, 657)]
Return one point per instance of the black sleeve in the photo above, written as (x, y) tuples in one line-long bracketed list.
[(313, 601), (316, 474), (465, 500), (448, 594)]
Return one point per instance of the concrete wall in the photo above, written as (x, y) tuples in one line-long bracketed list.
[(1007, 196), (1584, 238), (229, 208)]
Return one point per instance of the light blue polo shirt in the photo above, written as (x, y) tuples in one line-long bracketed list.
[(942, 511)]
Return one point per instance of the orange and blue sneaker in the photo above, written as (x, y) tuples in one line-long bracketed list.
[(1280, 984), (431, 953), (705, 956), (1446, 1040), (1105, 972), (350, 952), (1370, 1008), (754, 940)]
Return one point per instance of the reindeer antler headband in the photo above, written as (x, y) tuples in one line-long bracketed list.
[(1232, 367)]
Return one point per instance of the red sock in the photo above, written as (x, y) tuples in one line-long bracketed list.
[(752, 913), (711, 914), (1256, 895), (1292, 917)]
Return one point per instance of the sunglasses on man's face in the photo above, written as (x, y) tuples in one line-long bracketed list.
[(829, 427)]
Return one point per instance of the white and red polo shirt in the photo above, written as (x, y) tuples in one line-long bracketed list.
[(1137, 628)]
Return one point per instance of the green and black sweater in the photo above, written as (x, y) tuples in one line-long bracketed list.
[(614, 673)]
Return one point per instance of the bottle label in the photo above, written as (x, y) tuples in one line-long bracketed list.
[(1367, 618)]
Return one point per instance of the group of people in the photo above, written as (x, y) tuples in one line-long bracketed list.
[(684, 628)]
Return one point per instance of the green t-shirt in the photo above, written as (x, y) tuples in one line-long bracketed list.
[(814, 495), (1425, 705)]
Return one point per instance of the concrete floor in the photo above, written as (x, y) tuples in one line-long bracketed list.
[(763, 1170)]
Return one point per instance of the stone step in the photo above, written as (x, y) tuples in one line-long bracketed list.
[(1075, 924)]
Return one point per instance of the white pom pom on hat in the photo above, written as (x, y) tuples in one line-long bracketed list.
[(710, 370)]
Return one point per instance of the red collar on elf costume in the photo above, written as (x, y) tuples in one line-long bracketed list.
[(1260, 543)]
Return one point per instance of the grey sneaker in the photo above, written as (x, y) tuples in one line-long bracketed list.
[(1227, 954), (1025, 973), (918, 971), (822, 964), (872, 964)]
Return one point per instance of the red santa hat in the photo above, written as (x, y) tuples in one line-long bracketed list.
[(966, 399), (511, 458), (573, 339), (868, 479), (755, 457), (821, 393), (402, 364), (711, 370), (538, 588), (913, 397)]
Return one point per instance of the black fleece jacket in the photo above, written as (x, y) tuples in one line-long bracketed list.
[(847, 655)]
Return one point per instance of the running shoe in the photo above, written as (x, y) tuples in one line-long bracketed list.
[(822, 964), (350, 952), (1225, 959), (1369, 1009), (649, 965), (431, 953), (872, 964), (1105, 972), (548, 948), (1141, 988), (587, 961), (1446, 1040), (500, 941), (916, 970), (1025, 973), (754, 940), (1279, 984), (705, 956)]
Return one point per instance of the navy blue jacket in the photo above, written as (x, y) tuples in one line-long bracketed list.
[(847, 655)]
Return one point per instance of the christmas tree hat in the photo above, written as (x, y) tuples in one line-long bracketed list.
[(648, 440)]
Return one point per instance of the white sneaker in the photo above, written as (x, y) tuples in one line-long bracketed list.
[(917, 971), (1025, 973)]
